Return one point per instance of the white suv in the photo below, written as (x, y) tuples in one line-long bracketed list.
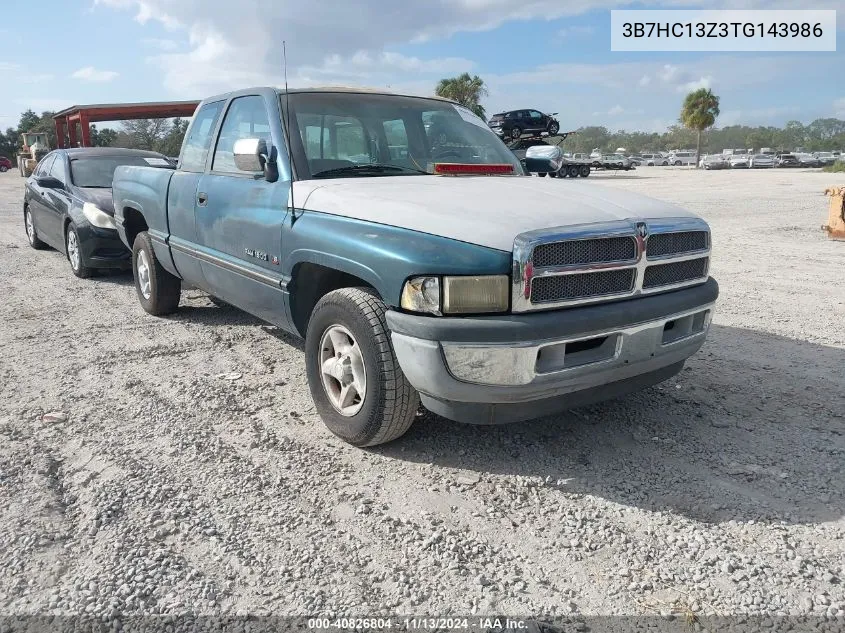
[(682, 158)]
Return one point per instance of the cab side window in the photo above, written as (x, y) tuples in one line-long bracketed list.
[(246, 118), (199, 140)]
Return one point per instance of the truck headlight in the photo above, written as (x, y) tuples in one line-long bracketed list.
[(97, 217), (474, 295), (460, 295)]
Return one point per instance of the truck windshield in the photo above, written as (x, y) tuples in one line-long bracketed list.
[(98, 171), (359, 135)]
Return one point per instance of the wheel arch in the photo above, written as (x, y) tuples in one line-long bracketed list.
[(311, 280)]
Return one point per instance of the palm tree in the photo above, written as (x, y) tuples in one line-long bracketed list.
[(465, 90), (699, 112)]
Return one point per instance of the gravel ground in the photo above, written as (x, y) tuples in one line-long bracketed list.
[(187, 471)]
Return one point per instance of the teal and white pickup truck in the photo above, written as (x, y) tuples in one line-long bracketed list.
[(399, 236)]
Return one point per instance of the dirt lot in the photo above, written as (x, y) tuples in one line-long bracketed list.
[(170, 488)]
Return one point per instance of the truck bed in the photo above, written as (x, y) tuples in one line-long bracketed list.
[(144, 189)]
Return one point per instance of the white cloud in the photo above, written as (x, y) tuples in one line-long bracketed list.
[(233, 43), (644, 81), (616, 110), (164, 45), (89, 73), (668, 72), (701, 82)]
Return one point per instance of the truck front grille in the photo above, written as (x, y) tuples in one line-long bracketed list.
[(608, 261), (660, 275), (580, 285), (664, 244), (592, 251)]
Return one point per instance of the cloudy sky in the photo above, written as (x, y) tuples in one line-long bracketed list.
[(553, 55)]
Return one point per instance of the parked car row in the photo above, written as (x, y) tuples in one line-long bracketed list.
[(400, 259)]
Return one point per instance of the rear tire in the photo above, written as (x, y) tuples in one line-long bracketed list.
[(516, 133), (572, 171), (389, 403), (158, 290), (585, 171), (3, 169)]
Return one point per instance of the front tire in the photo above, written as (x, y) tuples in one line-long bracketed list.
[(515, 133), (554, 128), (358, 388), (74, 254), (3, 169), (31, 233), (158, 290)]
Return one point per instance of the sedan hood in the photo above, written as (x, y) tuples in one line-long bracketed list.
[(97, 196), (485, 210)]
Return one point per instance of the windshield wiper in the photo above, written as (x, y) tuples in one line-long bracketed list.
[(374, 169)]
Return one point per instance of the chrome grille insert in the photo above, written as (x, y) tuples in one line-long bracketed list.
[(668, 244), (600, 262), (660, 275), (591, 251), (578, 286)]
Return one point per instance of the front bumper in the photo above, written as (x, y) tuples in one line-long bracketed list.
[(489, 370), (102, 248)]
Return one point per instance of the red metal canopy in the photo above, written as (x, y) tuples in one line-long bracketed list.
[(67, 119)]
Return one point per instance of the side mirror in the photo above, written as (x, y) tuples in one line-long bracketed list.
[(253, 154), (250, 154), (48, 182)]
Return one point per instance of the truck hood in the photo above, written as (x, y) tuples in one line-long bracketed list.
[(484, 210)]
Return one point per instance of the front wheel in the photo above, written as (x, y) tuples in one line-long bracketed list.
[(358, 387), (3, 169), (31, 233), (74, 254), (554, 128), (516, 133), (158, 290)]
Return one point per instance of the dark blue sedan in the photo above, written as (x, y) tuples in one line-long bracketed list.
[(68, 205)]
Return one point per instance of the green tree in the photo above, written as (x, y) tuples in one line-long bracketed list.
[(464, 89), (102, 138), (28, 121), (699, 112)]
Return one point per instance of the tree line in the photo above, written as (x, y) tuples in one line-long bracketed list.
[(158, 135)]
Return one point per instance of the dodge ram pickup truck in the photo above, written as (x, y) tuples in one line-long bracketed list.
[(400, 237)]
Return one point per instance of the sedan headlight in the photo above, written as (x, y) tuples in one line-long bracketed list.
[(97, 217), (457, 295)]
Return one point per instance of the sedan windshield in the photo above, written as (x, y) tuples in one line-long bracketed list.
[(347, 135), (98, 171)]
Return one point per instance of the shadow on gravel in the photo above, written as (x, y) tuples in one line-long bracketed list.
[(229, 315), (118, 278), (752, 429)]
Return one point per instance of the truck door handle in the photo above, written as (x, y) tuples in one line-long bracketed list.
[(202, 198)]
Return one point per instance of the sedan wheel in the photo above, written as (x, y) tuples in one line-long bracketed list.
[(31, 234), (74, 254)]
